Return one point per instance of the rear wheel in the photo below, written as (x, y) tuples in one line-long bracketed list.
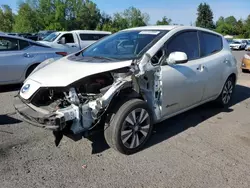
[(130, 127), (227, 92)]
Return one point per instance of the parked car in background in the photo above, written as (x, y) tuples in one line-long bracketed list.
[(238, 45), (20, 56), (129, 81), (247, 48), (73, 41), (14, 34), (245, 64), (42, 34)]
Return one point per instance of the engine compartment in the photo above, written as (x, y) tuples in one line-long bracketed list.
[(86, 90)]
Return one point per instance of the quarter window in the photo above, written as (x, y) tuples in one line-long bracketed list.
[(186, 42), (8, 44), (92, 36), (209, 43)]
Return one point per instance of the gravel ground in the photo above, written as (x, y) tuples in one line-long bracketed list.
[(204, 147)]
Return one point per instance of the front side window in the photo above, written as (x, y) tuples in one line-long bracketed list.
[(68, 38), (210, 43), (8, 44), (124, 45), (186, 42)]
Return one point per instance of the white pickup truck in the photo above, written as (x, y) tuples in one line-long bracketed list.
[(72, 41)]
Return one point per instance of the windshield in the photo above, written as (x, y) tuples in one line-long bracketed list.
[(124, 45), (51, 37), (236, 42)]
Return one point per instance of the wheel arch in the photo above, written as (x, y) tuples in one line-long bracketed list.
[(234, 76), (30, 68), (123, 96)]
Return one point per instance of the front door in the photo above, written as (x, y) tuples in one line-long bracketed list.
[(71, 43), (182, 84)]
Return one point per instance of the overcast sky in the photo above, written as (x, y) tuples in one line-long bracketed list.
[(180, 11)]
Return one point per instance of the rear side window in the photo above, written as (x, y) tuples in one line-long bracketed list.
[(210, 43), (185, 42), (8, 44), (92, 36), (23, 44)]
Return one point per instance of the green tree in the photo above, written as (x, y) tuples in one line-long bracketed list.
[(220, 21), (231, 20), (83, 15), (164, 21), (205, 16), (247, 27), (104, 21), (7, 18), (26, 19), (135, 17), (131, 17)]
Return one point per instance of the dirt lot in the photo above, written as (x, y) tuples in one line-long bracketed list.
[(204, 147)]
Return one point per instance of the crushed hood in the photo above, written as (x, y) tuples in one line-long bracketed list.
[(64, 71)]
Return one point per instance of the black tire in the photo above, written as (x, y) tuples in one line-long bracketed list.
[(225, 97), (30, 69), (119, 124), (244, 70)]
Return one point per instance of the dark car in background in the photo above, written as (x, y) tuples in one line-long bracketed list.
[(42, 34)]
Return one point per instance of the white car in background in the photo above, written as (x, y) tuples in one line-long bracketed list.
[(247, 48), (238, 45), (129, 81), (73, 41), (20, 56)]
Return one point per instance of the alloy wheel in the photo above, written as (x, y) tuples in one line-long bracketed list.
[(227, 92), (135, 128)]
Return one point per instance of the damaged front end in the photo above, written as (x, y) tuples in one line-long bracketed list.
[(75, 109)]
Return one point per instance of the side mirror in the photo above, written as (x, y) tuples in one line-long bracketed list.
[(62, 41), (177, 58)]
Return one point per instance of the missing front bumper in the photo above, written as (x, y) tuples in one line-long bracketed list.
[(36, 117)]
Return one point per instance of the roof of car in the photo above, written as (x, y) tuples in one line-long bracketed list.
[(22, 38), (170, 27), (155, 27), (85, 31)]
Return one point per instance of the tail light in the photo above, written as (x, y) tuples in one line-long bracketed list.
[(61, 53)]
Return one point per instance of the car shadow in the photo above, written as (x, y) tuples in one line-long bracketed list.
[(8, 88), (7, 120), (175, 125)]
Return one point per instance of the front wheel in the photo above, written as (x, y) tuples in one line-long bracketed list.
[(130, 127)]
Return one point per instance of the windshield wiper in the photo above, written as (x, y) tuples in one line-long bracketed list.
[(101, 57)]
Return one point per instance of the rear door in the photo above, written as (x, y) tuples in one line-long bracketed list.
[(214, 60), (13, 59)]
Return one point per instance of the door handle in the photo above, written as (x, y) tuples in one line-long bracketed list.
[(74, 46), (226, 61), (200, 68), (27, 55)]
